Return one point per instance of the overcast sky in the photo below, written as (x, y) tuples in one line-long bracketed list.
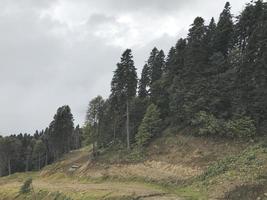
[(58, 52)]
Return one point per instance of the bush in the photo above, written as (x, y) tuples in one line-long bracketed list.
[(26, 187), (241, 127), (207, 124)]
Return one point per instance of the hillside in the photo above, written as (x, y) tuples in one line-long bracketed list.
[(174, 167)]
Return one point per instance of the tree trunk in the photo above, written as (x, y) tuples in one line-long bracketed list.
[(127, 124), (9, 167), (94, 149), (39, 162), (27, 164), (114, 129), (76, 141), (46, 159), (68, 145)]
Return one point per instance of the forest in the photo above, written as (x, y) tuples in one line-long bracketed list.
[(213, 81)]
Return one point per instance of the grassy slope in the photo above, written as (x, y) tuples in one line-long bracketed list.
[(174, 167)]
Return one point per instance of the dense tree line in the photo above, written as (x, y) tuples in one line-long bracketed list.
[(25, 152), (214, 80)]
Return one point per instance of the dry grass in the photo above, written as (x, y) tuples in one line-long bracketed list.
[(170, 160)]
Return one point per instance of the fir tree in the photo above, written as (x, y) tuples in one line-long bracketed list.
[(39, 152), (144, 82), (150, 126), (93, 117), (153, 76), (223, 40), (124, 85), (61, 129), (210, 36)]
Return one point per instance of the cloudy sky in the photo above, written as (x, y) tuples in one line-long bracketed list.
[(58, 52)]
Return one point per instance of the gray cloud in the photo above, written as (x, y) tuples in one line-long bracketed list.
[(56, 52)]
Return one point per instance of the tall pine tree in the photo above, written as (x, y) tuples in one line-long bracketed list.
[(144, 82), (124, 85), (223, 40)]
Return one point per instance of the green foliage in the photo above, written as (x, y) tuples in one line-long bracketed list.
[(224, 32), (61, 127), (207, 124), (124, 81), (243, 164), (136, 155), (26, 187), (220, 68), (150, 126), (123, 90), (10, 149), (138, 109), (95, 110), (144, 82), (39, 151), (94, 118), (87, 132), (241, 127), (217, 168)]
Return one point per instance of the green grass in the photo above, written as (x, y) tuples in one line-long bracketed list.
[(250, 164), (119, 154)]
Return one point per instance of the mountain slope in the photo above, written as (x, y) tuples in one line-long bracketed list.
[(173, 167)]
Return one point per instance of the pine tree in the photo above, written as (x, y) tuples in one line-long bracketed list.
[(156, 70), (170, 62), (253, 71), (76, 138), (210, 36), (177, 89), (169, 72), (151, 65), (10, 149), (156, 64), (196, 52), (193, 84), (137, 109), (124, 85), (247, 22), (93, 117), (150, 126), (180, 56), (144, 82), (223, 41), (39, 152), (61, 129)]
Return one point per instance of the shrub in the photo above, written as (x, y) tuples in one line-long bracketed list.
[(26, 187), (207, 124), (241, 127)]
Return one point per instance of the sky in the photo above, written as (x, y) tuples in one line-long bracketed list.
[(64, 52)]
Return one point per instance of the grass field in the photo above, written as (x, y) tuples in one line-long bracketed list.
[(174, 167)]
